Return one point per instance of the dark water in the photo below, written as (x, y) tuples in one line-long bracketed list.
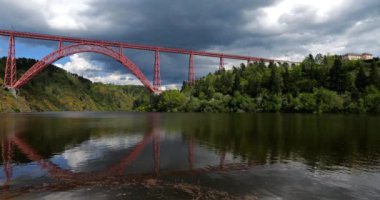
[(184, 156)]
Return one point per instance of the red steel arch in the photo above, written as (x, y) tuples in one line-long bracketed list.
[(59, 173), (81, 48)]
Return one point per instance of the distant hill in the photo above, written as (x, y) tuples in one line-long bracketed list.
[(58, 90)]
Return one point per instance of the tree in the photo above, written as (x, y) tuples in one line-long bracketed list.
[(225, 82), (275, 82), (171, 101), (306, 102), (242, 66), (261, 65), (237, 86), (327, 101), (319, 59), (338, 77), (310, 59), (286, 79), (372, 102), (374, 78), (361, 79)]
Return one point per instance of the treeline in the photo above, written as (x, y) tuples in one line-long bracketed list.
[(55, 89), (320, 84)]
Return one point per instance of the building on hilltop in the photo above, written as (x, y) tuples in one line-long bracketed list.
[(367, 56), (354, 56)]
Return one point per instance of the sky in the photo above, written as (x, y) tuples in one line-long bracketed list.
[(278, 29)]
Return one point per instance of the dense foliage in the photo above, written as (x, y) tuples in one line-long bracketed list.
[(322, 84), (54, 89)]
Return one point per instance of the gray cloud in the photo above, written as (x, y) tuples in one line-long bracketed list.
[(257, 28)]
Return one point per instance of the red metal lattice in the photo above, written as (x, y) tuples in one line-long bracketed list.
[(10, 67), (157, 78), (79, 48), (191, 69)]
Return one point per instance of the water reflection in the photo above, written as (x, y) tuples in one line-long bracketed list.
[(83, 161), (225, 151)]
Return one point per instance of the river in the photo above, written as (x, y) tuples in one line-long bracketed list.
[(111, 155)]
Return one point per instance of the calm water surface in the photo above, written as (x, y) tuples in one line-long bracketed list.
[(178, 156)]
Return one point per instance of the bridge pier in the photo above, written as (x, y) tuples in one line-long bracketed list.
[(13, 91), (10, 67), (221, 63), (191, 78), (157, 78)]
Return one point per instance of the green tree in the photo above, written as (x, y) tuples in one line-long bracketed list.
[(327, 101), (225, 82), (319, 59), (361, 79), (171, 101), (306, 102), (374, 78), (338, 77), (275, 82), (237, 85)]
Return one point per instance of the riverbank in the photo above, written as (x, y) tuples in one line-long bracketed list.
[(55, 89)]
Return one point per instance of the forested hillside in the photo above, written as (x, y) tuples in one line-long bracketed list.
[(321, 84), (57, 90)]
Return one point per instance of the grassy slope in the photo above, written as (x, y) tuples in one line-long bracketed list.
[(57, 90)]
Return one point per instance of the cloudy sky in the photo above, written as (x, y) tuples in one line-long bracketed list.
[(283, 29)]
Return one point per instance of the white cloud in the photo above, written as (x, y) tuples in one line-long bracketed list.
[(334, 45), (94, 71), (170, 87), (79, 156), (297, 28), (359, 38), (276, 18), (78, 64), (117, 79)]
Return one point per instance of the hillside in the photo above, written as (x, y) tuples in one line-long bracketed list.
[(57, 90), (320, 84)]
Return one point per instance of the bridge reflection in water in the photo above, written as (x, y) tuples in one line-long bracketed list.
[(15, 141)]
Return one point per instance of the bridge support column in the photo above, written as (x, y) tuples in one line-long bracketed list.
[(10, 67), (191, 79), (221, 63), (157, 78), (60, 46)]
